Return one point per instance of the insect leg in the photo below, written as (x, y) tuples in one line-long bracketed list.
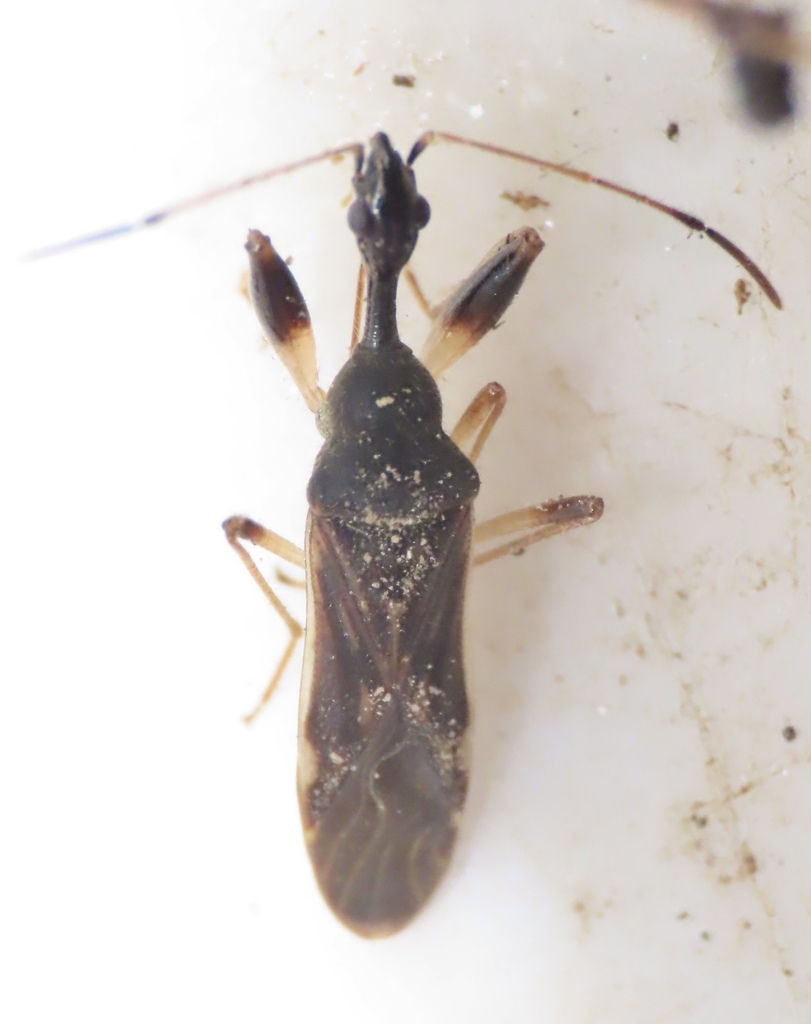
[(288, 580), (479, 302), (534, 523), (283, 315), (478, 420), (239, 529), (357, 314), (410, 279)]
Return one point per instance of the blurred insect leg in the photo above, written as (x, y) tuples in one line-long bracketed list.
[(410, 279), (288, 580), (239, 529), (479, 302), (534, 523), (478, 420), (357, 314), (283, 315)]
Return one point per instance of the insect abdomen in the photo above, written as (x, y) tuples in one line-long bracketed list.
[(382, 845), (383, 767)]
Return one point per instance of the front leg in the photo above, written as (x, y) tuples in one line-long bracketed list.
[(283, 315), (479, 302)]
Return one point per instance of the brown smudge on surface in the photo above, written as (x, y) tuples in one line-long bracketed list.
[(589, 909), (749, 863), (524, 200), (742, 293)]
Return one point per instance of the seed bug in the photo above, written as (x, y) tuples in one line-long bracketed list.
[(384, 714), (384, 711)]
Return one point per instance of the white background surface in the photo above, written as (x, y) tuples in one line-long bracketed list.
[(637, 844)]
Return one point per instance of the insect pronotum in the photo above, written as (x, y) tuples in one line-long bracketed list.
[(384, 714)]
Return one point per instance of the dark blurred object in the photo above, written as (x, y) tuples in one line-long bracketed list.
[(761, 42), (765, 52), (765, 89)]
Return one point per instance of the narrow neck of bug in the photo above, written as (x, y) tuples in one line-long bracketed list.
[(380, 325)]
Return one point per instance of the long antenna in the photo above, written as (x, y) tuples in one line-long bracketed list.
[(199, 200), (693, 223), (425, 140)]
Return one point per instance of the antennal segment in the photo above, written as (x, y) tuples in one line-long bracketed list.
[(689, 221), (183, 205)]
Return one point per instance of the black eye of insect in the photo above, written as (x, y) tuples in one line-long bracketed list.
[(360, 218), (422, 212)]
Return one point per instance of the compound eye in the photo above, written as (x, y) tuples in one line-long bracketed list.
[(422, 211), (360, 218)]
